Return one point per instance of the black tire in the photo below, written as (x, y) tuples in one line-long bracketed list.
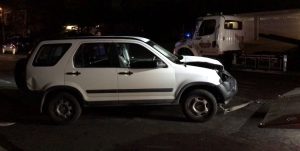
[(63, 108), (20, 75), (199, 105), (185, 52)]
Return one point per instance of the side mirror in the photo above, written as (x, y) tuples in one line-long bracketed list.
[(161, 64), (179, 56)]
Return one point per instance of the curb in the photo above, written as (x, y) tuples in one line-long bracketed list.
[(2, 149)]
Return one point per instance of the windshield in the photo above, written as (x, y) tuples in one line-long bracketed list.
[(164, 52)]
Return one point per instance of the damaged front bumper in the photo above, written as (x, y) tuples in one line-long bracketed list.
[(228, 86)]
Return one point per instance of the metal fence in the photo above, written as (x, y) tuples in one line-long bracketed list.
[(261, 62)]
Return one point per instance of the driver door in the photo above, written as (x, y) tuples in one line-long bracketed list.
[(139, 78)]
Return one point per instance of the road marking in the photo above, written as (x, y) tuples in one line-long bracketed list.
[(6, 124), (2, 149), (293, 92), (5, 81)]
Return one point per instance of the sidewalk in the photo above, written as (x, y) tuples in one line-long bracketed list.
[(2, 149), (284, 111)]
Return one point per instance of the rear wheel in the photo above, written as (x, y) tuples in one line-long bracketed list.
[(63, 108), (199, 105)]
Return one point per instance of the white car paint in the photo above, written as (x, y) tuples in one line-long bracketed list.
[(173, 77)]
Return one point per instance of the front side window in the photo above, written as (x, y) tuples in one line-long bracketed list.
[(50, 54), (232, 24), (207, 27), (140, 57), (165, 52), (90, 55), (124, 55), (136, 56)]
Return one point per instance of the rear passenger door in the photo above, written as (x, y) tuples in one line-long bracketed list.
[(92, 70)]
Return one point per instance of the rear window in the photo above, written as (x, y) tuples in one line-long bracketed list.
[(50, 54), (233, 24)]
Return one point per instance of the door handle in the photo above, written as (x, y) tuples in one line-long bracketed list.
[(73, 73), (125, 73)]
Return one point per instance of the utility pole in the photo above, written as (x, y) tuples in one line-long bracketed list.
[(2, 23)]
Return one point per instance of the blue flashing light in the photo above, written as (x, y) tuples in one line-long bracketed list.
[(187, 35)]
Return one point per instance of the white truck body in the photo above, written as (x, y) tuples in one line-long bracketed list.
[(213, 36)]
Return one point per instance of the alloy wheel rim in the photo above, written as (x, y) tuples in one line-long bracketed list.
[(199, 106), (64, 109)]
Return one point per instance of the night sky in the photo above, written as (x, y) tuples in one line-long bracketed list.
[(89, 11), (154, 16)]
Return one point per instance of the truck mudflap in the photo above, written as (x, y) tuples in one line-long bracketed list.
[(226, 109)]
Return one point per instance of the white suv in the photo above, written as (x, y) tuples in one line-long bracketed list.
[(77, 72)]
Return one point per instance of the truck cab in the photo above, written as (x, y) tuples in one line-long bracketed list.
[(215, 36)]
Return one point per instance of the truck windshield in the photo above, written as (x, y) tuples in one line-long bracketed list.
[(164, 52)]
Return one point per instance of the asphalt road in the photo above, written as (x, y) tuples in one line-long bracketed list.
[(147, 128)]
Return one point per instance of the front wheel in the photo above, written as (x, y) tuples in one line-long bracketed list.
[(64, 108), (199, 105)]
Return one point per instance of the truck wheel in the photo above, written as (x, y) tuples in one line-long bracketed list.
[(63, 108), (199, 106), (185, 52)]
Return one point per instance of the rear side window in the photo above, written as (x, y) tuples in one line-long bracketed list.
[(232, 24), (93, 55), (50, 54)]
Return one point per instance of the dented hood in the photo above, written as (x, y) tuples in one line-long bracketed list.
[(202, 62)]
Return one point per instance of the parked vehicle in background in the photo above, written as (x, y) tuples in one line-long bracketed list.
[(218, 36), (17, 44), (9, 47), (116, 70)]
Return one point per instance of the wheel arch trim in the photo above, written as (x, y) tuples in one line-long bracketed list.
[(200, 85), (60, 89)]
